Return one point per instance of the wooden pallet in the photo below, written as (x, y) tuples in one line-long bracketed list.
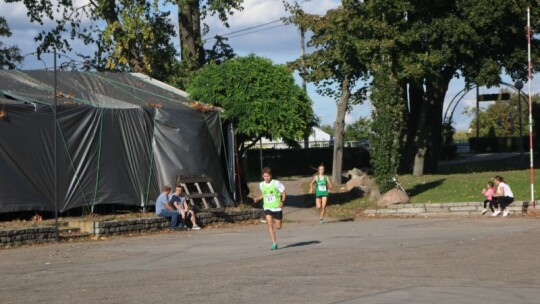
[(202, 192)]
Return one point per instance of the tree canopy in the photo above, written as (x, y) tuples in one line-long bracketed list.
[(335, 66), (358, 130), (10, 56), (425, 44), (260, 98), (131, 35), (501, 118)]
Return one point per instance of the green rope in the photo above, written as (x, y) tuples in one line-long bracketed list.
[(50, 89), (33, 80), (131, 87), (26, 99), (99, 158), (116, 84), (151, 159), (72, 165), (63, 141), (225, 151), (130, 153)]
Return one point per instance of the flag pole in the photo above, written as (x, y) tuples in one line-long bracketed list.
[(531, 205)]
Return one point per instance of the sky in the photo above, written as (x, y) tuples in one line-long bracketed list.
[(279, 42)]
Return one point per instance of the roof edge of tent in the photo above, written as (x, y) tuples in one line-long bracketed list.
[(169, 88)]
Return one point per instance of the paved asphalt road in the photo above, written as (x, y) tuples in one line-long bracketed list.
[(366, 261)]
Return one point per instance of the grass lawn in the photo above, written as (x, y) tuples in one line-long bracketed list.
[(464, 183), (455, 183)]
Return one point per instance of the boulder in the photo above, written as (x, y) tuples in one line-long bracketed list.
[(393, 196), (362, 185), (354, 172), (355, 182)]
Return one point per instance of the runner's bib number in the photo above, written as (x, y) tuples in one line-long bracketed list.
[(270, 198), (322, 187)]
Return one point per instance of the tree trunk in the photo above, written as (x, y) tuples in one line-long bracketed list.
[(428, 139), (420, 134), (420, 137), (415, 97), (189, 23), (339, 126), (436, 93)]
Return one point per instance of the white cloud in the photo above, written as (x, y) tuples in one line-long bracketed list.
[(277, 41), (281, 44), (257, 12)]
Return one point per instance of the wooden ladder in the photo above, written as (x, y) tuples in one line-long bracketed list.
[(185, 181)]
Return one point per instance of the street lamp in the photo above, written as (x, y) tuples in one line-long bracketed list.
[(519, 86)]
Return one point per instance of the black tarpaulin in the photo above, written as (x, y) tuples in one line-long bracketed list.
[(119, 139)]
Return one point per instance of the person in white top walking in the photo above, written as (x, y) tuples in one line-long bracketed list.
[(502, 197)]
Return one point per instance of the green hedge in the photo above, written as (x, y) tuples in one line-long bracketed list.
[(448, 151), (289, 162), (497, 144)]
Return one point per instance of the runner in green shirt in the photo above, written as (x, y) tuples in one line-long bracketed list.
[(323, 185), (273, 196)]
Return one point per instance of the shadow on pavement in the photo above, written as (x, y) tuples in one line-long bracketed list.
[(302, 244), (347, 219), (301, 201), (308, 200)]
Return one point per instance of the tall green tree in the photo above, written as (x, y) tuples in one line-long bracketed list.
[(501, 118), (138, 37), (190, 16), (387, 127), (358, 130), (335, 66), (220, 51), (137, 34), (10, 56), (380, 38), (431, 43), (475, 39), (260, 98)]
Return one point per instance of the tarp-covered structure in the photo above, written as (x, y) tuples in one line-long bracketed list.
[(119, 138)]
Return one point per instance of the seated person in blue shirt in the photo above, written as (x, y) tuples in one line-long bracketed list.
[(164, 209), (182, 207)]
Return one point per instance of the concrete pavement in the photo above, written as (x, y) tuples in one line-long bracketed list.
[(365, 261)]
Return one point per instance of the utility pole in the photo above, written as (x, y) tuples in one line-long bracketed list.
[(304, 86), (302, 53), (477, 112)]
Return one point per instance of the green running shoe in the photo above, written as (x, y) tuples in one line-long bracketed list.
[(274, 246)]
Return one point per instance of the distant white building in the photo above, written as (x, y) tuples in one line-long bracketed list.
[(318, 138)]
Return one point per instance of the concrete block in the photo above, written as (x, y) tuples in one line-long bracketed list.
[(464, 208), (476, 204), (520, 203), (411, 210), (437, 209), (386, 211)]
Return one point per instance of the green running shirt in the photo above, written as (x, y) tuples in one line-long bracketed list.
[(321, 186), (271, 195)]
